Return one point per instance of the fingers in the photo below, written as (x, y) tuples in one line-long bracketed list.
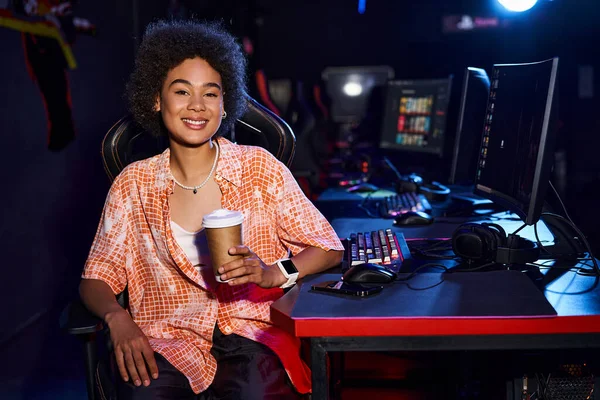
[(149, 356), (242, 271), (249, 268), (140, 364), (120, 358), (240, 250), (131, 369), (137, 365), (249, 258)]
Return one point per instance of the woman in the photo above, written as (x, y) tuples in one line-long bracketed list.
[(185, 335)]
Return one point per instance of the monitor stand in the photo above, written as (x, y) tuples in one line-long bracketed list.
[(471, 200), (466, 204), (567, 244)]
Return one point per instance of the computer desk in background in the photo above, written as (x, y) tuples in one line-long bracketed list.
[(456, 314), (342, 211)]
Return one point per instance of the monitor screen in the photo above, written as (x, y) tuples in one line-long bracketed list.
[(517, 146), (349, 89), (473, 104), (414, 118)]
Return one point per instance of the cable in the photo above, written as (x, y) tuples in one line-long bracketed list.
[(392, 167), (573, 268), (474, 269), (365, 209), (428, 251), (420, 267), (560, 201), (517, 231), (439, 243), (596, 269), (539, 242)]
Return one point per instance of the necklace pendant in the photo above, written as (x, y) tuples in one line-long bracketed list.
[(195, 190)]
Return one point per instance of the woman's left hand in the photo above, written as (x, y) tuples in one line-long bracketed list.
[(250, 268)]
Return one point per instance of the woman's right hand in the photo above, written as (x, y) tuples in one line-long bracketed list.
[(133, 353)]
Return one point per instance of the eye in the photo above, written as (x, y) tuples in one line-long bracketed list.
[(210, 94), (181, 92)]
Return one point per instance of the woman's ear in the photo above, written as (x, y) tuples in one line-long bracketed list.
[(157, 104)]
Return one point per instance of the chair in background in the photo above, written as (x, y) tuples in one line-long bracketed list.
[(127, 142)]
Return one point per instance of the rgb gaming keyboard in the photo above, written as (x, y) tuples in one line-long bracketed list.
[(383, 247), (392, 206)]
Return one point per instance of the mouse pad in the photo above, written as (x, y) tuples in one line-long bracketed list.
[(493, 294)]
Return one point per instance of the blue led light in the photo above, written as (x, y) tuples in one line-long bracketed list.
[(362, 6), (518, 5)]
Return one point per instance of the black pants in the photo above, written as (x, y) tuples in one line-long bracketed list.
[(246, 370)]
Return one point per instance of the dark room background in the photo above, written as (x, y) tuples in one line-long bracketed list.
[(51, 201)]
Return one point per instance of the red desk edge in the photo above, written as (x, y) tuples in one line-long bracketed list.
[(281, 312)]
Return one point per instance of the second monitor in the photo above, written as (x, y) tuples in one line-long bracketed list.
[(414, 117)]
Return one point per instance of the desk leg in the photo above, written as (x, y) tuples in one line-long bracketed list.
[(318, 363)]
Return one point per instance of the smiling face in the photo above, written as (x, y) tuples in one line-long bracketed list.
[(191, 102)]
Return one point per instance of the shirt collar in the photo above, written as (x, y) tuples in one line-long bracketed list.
[(230, 162), (229, 166)]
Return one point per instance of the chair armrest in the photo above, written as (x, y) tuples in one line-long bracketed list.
[(77, 320)]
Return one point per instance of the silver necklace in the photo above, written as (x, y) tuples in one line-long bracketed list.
[(195, 188)]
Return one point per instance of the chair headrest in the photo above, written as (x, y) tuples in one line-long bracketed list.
[(126, 141)]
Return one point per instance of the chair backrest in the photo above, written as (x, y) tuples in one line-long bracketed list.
[(127, 141)]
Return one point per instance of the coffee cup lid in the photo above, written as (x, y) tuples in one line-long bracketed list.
[(222, 218)]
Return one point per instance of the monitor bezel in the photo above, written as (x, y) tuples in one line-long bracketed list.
[(470, 74), (544, 160)]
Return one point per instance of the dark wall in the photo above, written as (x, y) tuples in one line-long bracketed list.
[(51, 201)]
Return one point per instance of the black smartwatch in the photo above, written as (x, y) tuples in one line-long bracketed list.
[(289, 270)]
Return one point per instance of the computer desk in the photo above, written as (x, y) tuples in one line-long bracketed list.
[(374, 324)]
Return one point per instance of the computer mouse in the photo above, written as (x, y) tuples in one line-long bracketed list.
[(368, 273), (413, 218), (363, 187)]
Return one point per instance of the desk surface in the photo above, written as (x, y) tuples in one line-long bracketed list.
[(441, 228), (575, 298), (348, 217)]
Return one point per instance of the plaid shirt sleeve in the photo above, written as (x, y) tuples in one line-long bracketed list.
[(110, 252), (300, 224)]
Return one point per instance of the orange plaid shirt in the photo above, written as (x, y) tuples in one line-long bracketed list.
[(169, 299)]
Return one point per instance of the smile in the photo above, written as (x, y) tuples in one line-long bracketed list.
[(194, 122)]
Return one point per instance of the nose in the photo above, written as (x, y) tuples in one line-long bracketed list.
[(196, 103)]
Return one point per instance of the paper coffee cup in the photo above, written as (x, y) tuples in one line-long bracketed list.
[(223, 230)]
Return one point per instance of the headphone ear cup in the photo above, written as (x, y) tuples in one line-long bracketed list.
[(498, 231), (474, 242), (434, 191), (404, 186)]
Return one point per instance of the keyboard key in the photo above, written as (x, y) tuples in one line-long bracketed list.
[(368, 243), (392, 242), (376, 247), (384, 246)]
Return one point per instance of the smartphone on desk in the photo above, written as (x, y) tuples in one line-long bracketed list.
[(345, 288)]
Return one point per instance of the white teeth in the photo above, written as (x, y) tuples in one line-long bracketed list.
[(193, 122)]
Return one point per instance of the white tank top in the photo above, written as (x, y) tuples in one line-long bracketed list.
[(193, 244)]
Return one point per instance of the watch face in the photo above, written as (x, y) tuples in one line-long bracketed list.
[(289, 266)]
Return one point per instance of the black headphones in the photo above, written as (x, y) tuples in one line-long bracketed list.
[(433, 191), (488, 242)]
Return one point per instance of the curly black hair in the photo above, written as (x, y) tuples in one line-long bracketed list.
[(165, 45)]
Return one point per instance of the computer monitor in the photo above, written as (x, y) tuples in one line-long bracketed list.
[(517, 146), (471, 114), (349, 89), (414, 118)]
